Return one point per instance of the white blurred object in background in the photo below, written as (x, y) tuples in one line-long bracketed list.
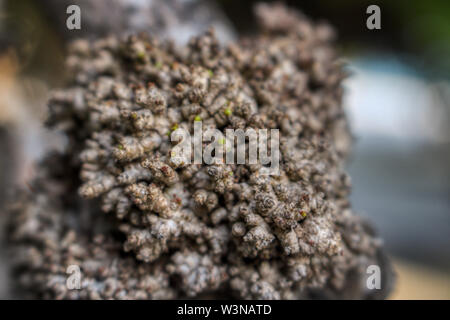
[(400, 163)]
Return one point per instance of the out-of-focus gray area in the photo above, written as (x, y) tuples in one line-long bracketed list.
[(400, 164), (175, 19)]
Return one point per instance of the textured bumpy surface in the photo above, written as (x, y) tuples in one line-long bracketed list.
[(178, 230)]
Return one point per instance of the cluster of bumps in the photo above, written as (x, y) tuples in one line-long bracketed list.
[(177, 230)]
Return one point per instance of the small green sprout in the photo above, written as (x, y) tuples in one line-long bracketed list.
[(141, 55), (228, 112), (198, 118), (172, 129)]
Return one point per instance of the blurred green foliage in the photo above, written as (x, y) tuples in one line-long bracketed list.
[(419, 29), (415, 29)]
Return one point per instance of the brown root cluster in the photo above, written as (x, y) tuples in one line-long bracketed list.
[(177, 230)]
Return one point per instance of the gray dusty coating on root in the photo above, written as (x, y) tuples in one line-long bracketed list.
[(51, 229), (198, 230)]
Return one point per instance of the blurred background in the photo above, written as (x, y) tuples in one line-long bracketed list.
[(397, 100)]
